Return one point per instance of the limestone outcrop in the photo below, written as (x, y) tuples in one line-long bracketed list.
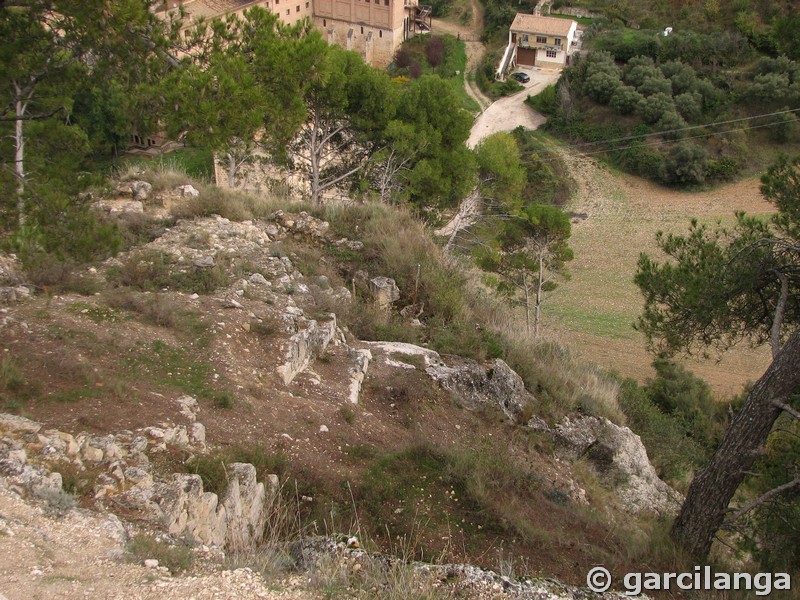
[(30, 459), (303, 346), (619, 454), (235, 522), (476, 386)]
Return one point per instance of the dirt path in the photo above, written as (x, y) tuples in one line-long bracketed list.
[(617, 217), (474, 47), (506, 114)]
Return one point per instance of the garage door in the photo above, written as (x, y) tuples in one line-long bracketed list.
[(526, 56)]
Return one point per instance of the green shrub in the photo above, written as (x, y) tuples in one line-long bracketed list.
[(544, 101), (176, 558), (685, 163), (724, 168)]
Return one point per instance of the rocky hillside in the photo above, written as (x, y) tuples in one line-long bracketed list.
[(211, 387)]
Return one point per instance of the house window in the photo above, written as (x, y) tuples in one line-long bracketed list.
[(297, 8), (380, 33), (525, 38), (324, 22), (306, 4), (540, 39), (558, 42), (288, 11), (362, 31), (551, 53)]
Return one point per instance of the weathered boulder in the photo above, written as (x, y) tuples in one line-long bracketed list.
[(384, 291), (236, 522), (361, 360), (476, 386), (140, 190), (15, 423), (188, 191), (304, 346), (619, 454)]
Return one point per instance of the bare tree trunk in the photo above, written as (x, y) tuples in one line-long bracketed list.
[(232, 168), (711, 491), (19, 160), (527, 304), (314, 154), (539, 286)]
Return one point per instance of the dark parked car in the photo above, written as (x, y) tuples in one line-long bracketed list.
[(521, 77)]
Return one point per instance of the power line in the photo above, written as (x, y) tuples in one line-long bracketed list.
[(578, 146)]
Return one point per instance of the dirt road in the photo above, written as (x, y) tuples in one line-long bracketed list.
[(506, 114), (471, 35)]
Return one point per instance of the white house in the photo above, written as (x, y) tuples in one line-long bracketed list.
[(539, 41)]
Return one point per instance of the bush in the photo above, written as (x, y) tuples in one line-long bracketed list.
[(723, 169), (601, 86), (652, 109), (686, 398), (544, 101), (625, 99), (668, 448), (686, 163)]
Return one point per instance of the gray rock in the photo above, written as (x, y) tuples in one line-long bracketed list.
[(258, 279), (15, 423), (197, 434), (188, 191), (204, 262), (140, 190), (475, 386), (619, 454), (384, 291)]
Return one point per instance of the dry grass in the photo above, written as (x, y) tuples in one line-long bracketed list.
[(593, 313)]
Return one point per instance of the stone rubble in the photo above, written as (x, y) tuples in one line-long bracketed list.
[(236, 520)]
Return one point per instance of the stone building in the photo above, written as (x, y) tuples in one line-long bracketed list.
[(373, 28)]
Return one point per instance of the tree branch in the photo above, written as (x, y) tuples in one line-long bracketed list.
[(761, 500), (787, 408), (38, 117)]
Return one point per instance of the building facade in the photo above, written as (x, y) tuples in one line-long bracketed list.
[(540, 41), (373, 28)]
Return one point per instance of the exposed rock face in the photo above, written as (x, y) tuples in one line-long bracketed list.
[(471, 581), (384, 291), (304, 346), (236, 522), (361, 360), (618, 453), (475, 386), (11, 280)]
